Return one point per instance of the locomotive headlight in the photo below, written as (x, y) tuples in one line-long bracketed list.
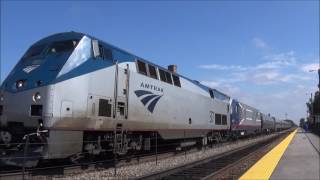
[(36, 97), (19, 84)]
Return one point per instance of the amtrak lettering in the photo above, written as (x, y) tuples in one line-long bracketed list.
[(148, 96), (151, 87)]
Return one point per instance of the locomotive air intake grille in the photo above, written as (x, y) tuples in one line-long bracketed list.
[(36, 110)]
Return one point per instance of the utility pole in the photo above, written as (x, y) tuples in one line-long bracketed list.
[(319, 77)]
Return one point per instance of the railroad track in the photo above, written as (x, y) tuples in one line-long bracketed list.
[(211, 167), (58, 170), (101, 165)]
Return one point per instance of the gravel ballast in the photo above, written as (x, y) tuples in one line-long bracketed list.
[(144, 168)]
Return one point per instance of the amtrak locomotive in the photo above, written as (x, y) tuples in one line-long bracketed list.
[(72, 95)]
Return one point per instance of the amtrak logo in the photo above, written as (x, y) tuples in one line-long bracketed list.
[(147, 96), (28, 69)]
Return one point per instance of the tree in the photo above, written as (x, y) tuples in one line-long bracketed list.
[(302, 122)]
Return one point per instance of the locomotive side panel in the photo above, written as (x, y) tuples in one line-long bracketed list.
[(169, 108)]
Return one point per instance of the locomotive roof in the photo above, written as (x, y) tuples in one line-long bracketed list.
[(78, 35)]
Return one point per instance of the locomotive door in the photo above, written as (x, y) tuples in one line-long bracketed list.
[(120, 114), (121, 92)]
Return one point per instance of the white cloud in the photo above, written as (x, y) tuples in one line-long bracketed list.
[(212, 84), (277, 68), (310, 67), (294, 78), (279, 84), (223, 67), (224, 87), (273, 61), (277, 103), (259, 43), (263, 77), (276, 64), (268, 77), (282, 59)]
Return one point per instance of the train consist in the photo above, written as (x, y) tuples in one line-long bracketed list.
[(72, 95)]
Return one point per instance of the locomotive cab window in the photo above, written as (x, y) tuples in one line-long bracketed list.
[(105, 53), (35, 51), (162, 75), (165, 76), (142, 67), (168, 77), (176, 80), (152, 72), (63, 46)]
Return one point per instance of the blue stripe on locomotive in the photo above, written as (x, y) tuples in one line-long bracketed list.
[(52, 64)]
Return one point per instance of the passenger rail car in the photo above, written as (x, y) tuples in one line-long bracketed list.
[(268, 123), (245, 119), (72, 95)]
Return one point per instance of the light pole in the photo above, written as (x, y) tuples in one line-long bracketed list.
[(286, 116)]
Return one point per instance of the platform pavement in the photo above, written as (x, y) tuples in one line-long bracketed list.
[(301, 159), (296, 157), (315, 140)]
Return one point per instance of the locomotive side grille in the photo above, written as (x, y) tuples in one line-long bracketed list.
[(36, 110), (104, 108)]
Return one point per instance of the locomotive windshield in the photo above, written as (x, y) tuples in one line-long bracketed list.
[(55, 47), (34, 51), (62, 46)]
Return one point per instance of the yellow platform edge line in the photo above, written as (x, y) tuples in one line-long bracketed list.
[(264, 168)]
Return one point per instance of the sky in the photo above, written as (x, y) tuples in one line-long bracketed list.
[(258, 52)]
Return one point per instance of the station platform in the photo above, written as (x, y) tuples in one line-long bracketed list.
[(296, 157)]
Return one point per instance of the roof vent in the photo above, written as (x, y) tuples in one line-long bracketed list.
[(172, 68)]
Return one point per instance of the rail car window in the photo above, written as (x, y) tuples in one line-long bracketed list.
[(142, 67), (217, 119), (104, 108), (105, 53), (34, 51), (176, 80), (224, 120), (162, 75), (63, 46), (152, 72), (168, 77)]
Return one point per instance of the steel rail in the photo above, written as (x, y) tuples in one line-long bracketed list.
[(204, 167)]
